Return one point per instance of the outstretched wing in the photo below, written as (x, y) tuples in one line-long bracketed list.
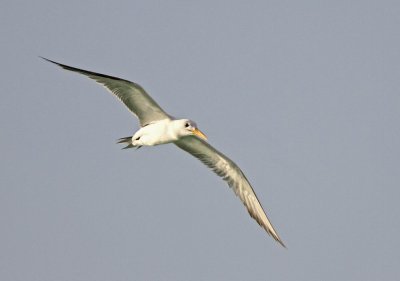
[(231, 173), (131, 94)]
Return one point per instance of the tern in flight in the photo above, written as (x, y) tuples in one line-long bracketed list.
[(158, 127)]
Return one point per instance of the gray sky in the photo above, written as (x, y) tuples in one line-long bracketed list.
[(303, 95)]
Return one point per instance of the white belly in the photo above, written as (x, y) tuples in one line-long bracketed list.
[(154, 134)]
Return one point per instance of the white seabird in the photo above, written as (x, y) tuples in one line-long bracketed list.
[(157, 127)]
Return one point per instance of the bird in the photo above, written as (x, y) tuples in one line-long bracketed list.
[(158, 127)]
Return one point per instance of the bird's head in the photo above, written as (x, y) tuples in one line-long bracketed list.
[(188, 128)]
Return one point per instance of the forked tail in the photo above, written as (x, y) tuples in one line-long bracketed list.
[(126, 140)]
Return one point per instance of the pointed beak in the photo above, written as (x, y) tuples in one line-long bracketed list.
[(199, 133)]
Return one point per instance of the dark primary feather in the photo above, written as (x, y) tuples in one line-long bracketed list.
[(130, 93)]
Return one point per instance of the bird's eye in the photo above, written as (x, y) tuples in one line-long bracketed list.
[(187, 125), (138, 138)]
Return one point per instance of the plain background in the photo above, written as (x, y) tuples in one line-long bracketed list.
[(303, 95)]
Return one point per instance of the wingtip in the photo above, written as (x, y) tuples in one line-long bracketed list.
[(48, 60), (278, 239), (43, 58), (282, 244)]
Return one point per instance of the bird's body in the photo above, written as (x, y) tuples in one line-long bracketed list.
[(157, 127), (162, 132), (156, 133)]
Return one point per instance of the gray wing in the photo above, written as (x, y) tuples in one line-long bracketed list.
[(131, 94), (231, 173)]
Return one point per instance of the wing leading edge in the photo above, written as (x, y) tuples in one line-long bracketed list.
[(131, 94)]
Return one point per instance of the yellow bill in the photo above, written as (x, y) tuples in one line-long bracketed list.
[(199, 133)]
